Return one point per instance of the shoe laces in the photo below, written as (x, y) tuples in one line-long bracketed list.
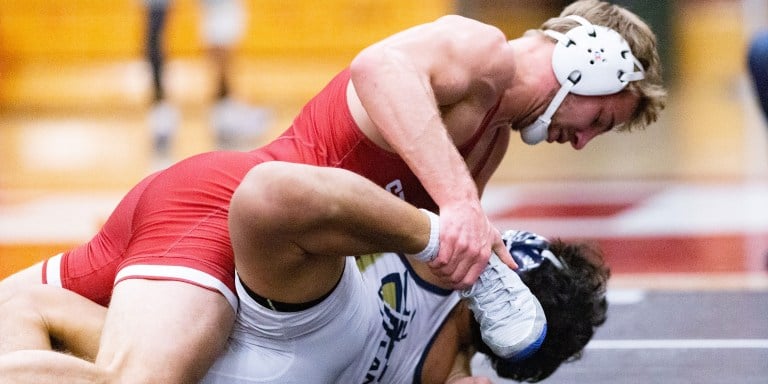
[(494, 294)]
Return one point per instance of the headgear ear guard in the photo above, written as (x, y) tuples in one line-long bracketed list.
[(589, 60), (529, 250)]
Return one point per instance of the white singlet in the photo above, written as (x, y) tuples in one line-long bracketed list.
[(375, 327), (309, 346), (412, 312)]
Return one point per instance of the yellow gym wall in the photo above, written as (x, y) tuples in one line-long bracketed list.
[(87, 56), (97, 29)]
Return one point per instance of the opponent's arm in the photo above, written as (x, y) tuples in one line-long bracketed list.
[(461, 373), (44, 317)]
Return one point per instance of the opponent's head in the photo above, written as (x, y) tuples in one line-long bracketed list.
[(570, 285), (602, 49)]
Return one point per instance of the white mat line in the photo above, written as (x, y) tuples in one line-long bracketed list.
[(679, 344)]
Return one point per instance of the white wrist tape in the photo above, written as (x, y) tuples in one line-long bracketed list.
[(433, 246)]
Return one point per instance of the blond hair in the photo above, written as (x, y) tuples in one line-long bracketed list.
[(641, 40)]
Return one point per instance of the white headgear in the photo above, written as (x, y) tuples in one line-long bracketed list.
[(589, 60)]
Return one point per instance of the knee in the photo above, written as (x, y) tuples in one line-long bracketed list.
[(273, 189)]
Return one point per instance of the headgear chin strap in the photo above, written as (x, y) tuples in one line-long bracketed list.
[(589, 60)]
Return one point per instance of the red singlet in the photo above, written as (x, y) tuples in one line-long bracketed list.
[(173, 224)]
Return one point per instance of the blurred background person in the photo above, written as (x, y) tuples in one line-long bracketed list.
[(163, 116), (222, 25)]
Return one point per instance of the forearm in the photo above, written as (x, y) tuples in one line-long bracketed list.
[(399, 99), (434, 159), (431, 154)]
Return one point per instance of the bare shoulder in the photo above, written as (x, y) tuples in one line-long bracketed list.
[(482, 48), (446, 41), (466, 22), (460, 27), (466, 50), (448, 29)]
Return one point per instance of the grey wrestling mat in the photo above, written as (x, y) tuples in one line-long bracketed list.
[(673, 337)]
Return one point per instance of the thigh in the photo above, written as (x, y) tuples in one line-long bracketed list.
[(163, 331)]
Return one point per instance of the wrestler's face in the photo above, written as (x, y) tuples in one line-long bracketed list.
[(582, 118)]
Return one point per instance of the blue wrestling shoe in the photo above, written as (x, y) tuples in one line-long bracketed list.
[(512, 322)]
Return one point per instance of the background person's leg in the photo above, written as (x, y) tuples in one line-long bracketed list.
[(156, 16), (163, 117)]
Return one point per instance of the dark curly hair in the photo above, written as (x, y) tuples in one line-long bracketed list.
[(574, 302)]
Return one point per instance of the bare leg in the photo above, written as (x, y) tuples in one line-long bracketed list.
[(155, 332), (220, 56), (308, 217)]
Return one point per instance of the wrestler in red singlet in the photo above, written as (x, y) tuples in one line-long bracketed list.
[(173, 224)]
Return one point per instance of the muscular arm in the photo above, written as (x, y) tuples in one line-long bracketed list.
[(449, 356), (402, 83), (461, 373), (46, 317)]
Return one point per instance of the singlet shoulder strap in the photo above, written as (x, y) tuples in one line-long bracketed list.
[(467, 147)]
